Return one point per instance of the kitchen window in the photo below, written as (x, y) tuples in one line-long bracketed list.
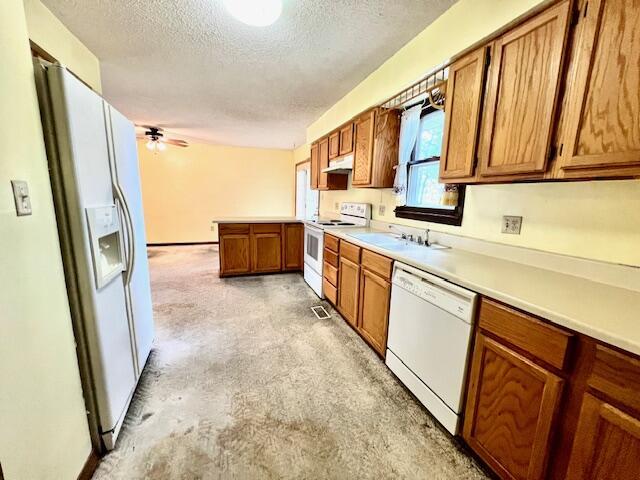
[(427, 199)]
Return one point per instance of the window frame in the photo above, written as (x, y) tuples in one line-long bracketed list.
[(445, 216)]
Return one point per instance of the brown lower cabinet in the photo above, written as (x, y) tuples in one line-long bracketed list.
[(545, 402), (363, 293), (260, 248)]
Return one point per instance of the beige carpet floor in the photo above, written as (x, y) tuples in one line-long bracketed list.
[(244, 382)]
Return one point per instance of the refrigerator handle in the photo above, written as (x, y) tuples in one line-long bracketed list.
[(130, 235)]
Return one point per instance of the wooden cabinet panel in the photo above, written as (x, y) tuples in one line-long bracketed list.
[(330, 257), (346, 139), (606, 444), (543, 341), (363, 150), (225, 228), (266, 252), (377, 263), (330, 291), (235, 258), (330, 273), (350, 251), (293, 245), (373, 321), (334, 145), (385, 148), (617, 376), (348, 290), (323, 162), (331, 242), (315, 166), (602, 116), (465, 89), (511, 406), (522, 95)]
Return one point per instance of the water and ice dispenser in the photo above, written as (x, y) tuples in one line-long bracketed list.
[(106, 244)]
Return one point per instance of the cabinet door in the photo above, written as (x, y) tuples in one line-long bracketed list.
[(348, 290), (511, 407), (266, 252), (522, 96), (334, 145), (363, 151), (385, 148), (373, 321), (346, 139), (234, 254), (314, 166), (323, 162), (606, 445), (465, 89), (603, 106), (293, 244)]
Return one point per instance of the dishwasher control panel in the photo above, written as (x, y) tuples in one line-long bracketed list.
[(449, 297)]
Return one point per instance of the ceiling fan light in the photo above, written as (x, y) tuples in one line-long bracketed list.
[(161, 146), (258, 13), (151, 145)]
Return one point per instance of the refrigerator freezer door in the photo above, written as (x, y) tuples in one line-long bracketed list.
[(127, 177), (80, 132)]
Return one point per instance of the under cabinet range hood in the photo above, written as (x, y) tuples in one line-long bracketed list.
[(341, 165)]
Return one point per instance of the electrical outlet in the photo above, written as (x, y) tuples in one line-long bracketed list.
[(511, 224), (213, 228), (381, 210), (336, 206)]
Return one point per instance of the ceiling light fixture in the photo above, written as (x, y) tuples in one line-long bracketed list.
[(258, 13)]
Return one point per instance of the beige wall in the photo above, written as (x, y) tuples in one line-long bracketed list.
[(43, 426), (184, 189), (597, 220), (51, 35)]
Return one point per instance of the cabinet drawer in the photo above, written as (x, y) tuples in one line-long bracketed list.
[(330, 273), (545, 342), (350, 251), (331, 257), (377, 263), (617, 375), (331, 242), (225, 228), (266, 227), (330, 292)]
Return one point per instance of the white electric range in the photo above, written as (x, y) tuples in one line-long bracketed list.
[(351, 215)]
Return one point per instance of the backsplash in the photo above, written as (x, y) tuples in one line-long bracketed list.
[(597, 220)]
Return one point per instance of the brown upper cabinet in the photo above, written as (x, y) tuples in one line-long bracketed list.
[(320, 160), (323, 161), (346, 139), (462, 119), (601, 120), (334, 145), (553, 102), (524, 79), (315, 170), (376, 148)]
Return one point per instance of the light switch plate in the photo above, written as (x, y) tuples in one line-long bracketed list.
[(381, 209), (511, 224), (21, 197)]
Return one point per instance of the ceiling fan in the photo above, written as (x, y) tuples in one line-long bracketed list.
[(156, 141)]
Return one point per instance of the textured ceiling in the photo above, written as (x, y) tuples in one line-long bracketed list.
[(188, 66)]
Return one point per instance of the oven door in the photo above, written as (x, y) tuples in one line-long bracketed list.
[(313, 245)]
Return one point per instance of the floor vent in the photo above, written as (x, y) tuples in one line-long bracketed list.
[(320, 312)]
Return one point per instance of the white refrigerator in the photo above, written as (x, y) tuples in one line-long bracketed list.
[(93, 160)]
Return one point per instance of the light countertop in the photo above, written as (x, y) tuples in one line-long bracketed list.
[(257, 220), (607, 313)]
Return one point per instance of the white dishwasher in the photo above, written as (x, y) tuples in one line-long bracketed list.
[(428, 343)]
